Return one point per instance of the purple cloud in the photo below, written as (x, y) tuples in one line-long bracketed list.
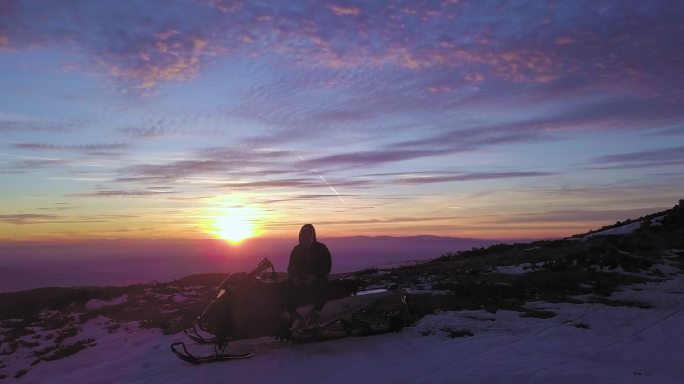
[(430, 179), (640, 159), (609, 115), (580, 215), (653, 155), (295, 183), (26, 218), (19, 123), (70, 147), (124, 193), (34, 218), (302, 197), (677, 130), (220, 162), (476, 42), (362, 159), (148, 132), (24, 165)]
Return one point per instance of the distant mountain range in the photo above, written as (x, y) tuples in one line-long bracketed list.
[(122, 262), (119, 262)]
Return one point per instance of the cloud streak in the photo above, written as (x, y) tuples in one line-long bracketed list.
[(10, 122), (293, 184), (219, 163), (578, 215), (21, 219), (26, 218), (649, 158), (123, 193), (70, 147), (469, 177)]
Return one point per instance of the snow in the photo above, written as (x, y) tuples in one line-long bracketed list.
[(666, 269), (657, 221), (401, 263), (515, 269), (178, 298), (97, 304), (370, 291), (611, 344), (622, 230), (626, 229), (427, 291)]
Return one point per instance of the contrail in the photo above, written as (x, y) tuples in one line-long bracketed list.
[(325, 181), (333, 189)]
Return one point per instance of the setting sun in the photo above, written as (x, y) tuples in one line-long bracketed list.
[(233, 229), (234, 224)]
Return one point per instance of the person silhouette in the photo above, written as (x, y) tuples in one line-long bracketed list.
[(308, 269)]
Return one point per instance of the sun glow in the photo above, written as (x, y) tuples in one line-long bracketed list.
[(233, 229), (234, 224)]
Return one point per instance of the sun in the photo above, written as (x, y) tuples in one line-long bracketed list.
[(234, 224), (233, 219), (233, 229)]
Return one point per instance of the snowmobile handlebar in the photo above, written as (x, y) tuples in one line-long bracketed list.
[(238, 278), (263, 267)]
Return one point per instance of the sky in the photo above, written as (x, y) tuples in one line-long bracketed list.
[(487, 119)]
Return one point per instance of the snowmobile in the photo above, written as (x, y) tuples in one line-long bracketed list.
[(251, 305)]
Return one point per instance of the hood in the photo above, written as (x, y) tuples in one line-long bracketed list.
[(303, 232)]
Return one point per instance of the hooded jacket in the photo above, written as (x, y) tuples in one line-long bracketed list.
[(309, 259)]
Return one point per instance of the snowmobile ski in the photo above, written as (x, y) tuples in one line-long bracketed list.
[(185, 355), (195, 336)]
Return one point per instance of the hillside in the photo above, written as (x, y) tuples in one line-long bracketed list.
[(578, 309)]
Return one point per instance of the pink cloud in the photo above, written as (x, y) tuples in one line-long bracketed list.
[(487, 44), (344, 11), (474, 77), (71, 147), (171, 59), (226, 6), (439, 89), (564, 40)]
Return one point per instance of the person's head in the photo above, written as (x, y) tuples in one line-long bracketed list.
[(307, 234)]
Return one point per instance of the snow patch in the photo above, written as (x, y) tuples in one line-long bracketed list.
[(622, 230), (370, 291), (178, 298), (657, 221), (430, 291), (515, 269), (97, 303)]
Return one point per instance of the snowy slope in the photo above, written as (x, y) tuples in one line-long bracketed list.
[(583, 343), (625, 229), (622, 230)]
